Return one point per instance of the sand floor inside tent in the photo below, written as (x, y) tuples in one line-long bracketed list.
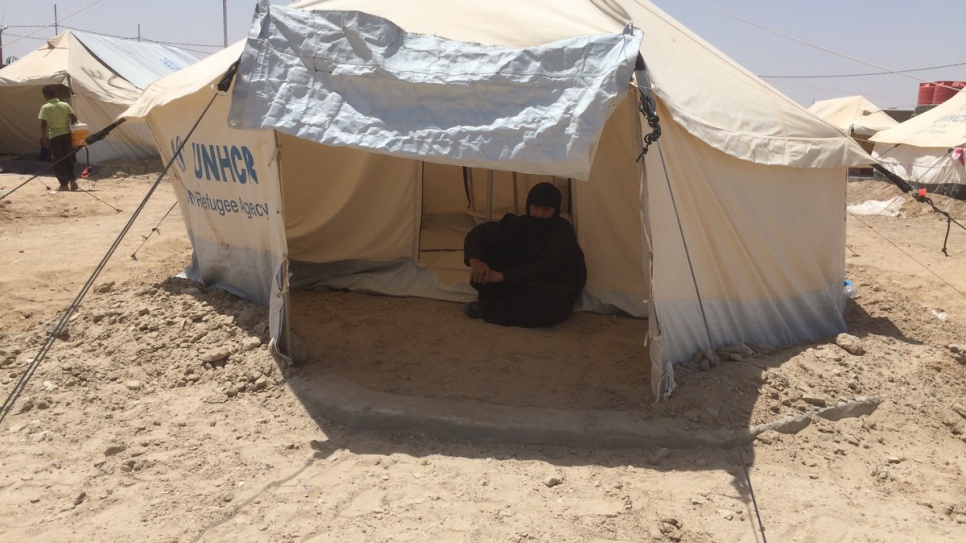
[(429, 349), (159, 415)]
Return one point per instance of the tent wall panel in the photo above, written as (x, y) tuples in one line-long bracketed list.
[(343, 204), (19, 127), (608, 216), (228, 191), (443, 189), (765, 244)]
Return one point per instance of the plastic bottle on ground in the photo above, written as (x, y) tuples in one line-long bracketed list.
[(849, 289)]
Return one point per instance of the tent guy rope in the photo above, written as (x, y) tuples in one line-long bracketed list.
[(220, 90), (717, 363), (920, 197), (134, 255)]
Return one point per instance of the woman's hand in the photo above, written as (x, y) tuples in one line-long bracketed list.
[(480, 272)]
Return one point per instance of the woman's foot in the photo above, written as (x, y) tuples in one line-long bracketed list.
[(473, 310)]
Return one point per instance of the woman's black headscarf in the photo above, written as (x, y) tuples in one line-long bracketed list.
[(545, 194)]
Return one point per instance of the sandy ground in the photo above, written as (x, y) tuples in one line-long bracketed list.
[(158, 415)]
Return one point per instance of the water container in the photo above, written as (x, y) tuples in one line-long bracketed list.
[(78, 133), (946, 90), (926, 93)]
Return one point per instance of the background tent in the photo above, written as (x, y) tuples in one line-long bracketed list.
[(101, 76), (928, 149), (729, 174), (854, 115)]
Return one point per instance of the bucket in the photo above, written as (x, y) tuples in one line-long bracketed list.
[(926, 93), (78, 133)]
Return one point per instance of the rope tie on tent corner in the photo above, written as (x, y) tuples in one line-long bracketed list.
[(714, 355), (646, 105), (222, 88)]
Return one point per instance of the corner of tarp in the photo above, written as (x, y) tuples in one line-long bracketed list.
[(280, 344), (276, 352), (662, 369), (130, 118), (260, 17)]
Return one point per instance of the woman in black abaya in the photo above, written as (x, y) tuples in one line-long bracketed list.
[(528, 269)]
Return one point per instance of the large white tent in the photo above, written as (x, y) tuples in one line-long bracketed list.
[(101, 76), (928, 150), (354, 150)]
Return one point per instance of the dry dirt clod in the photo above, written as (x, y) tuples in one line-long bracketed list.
[(850, 344)]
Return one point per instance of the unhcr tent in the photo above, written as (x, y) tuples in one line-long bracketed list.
[(100, 76), (854, 115), (362, 140), (928, 149)]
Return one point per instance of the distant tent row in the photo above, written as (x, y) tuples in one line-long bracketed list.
[(928, 150), (100, 76), (361, 140)]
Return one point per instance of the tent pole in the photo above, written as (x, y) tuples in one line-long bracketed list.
[(570, 203), (489, 195), (2, 28), (224, 12), (516, 197), (468, 187)]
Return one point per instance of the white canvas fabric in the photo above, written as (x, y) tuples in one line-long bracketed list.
[(928, 149), (854, 115), (228, 191), (239, 246), (737, 172), (941, 126), (360, 81), (105, 75), (935, 168), (742, 249)]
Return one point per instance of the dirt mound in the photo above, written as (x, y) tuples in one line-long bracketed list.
[(862, 190), (123, 168)]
